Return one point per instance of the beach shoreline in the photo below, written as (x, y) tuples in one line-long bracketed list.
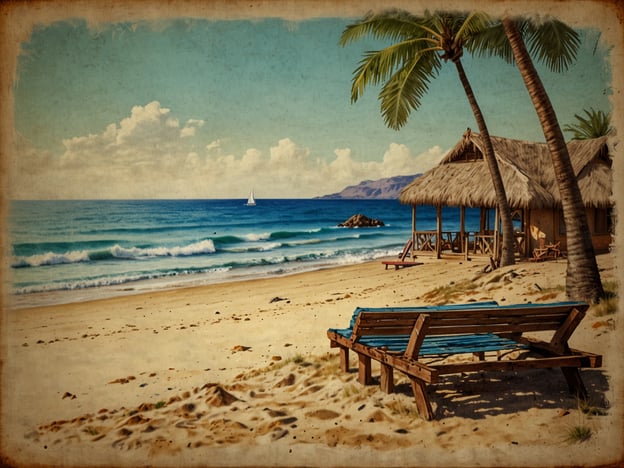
[(121, 380), (15, 301)]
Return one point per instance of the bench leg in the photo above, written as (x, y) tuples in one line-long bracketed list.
[(387, 378), (364, 369), (344, 359), (479, 356), (575, 383), (422, 401)]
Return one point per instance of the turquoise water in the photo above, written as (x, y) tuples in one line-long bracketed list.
[(71, 245)]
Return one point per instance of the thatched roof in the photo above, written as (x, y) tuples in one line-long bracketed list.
[(462, 177)]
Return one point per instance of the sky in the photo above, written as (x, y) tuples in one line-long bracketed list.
[(206, 108)]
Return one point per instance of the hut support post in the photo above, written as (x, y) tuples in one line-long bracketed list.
[(462, 232), (439, 231), (527, 232), (414, 231), (483, 220), (497, 237), (462, 226)]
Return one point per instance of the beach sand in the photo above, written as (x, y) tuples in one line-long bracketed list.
[(242, 374)]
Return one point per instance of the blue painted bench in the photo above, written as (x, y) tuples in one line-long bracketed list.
[(402, 338)]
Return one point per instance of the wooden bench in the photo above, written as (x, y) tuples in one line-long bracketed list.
[(401, 262), (404, 339)]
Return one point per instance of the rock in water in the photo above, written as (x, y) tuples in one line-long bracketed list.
[(359, 220)]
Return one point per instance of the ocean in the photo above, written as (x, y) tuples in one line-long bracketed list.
[(107, 247)]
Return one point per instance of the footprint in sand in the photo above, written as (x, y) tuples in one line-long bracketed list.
[(379, 416), (286, 381), (312, 389), (323, 414), (123, 380), (275, 413)]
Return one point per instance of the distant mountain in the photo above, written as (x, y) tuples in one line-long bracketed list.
[(388, 188)]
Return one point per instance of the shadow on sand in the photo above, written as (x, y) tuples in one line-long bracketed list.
[(480, 394)]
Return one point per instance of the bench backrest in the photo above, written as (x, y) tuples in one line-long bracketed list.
[(424, 308), (562, 317)]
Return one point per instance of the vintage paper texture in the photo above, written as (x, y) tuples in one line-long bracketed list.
[(18, 19)]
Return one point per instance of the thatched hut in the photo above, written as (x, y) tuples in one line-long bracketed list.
[(462, 179)]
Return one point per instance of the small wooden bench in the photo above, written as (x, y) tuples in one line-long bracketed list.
[(401, 262), (403, 339)]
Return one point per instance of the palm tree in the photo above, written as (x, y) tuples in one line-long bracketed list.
[(596, 124), (582, 278), (407, 66)]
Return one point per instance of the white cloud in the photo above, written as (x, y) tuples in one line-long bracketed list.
[(148, 155), (190, 128), (214, 145), (187, 132)]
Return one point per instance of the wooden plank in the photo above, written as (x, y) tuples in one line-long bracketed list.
[(417, 336), (399, 264), (495, 328), (455, 344), (337, 340), (356, 328), (536, 309), (560, 339), (486, 319), (410, 367)]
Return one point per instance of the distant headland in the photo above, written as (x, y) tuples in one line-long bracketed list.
[(386, 189)]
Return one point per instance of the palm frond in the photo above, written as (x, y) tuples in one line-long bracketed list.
[(491, 41), (597, 124), (552, 42), (472, 24), (378, 66), (393, 25), (404, 90)]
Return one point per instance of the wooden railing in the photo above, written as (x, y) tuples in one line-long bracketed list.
[(456, 242)]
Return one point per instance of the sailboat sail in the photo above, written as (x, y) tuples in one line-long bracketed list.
[(251, 201)]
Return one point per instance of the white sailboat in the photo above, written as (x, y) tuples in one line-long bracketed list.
[(251, 201)]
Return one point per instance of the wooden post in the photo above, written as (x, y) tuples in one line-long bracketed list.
[(413, 231), (387, 378), (483, 220), (496, 239), (574, 381), (344, 359), (527, 232), (439, 231), (422, 401), (462, 228), (364, 369)]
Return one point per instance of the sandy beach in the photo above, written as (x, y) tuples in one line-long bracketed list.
[(241, 374)]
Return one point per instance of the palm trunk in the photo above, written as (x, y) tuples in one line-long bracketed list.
[(582, 278), (507, 257)]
